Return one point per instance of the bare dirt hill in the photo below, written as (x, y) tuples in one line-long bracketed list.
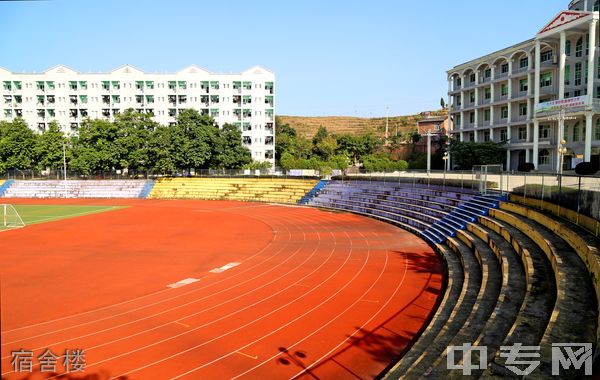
[(308, 126)]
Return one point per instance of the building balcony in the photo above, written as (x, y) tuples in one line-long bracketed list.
[(520, 94), (501, 76), (520, 71), (548, 90), (519, 118)]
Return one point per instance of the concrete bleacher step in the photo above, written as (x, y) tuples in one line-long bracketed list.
[(510, 299), (484, 306), (441, 317), (538, 304), (575, 315), (472, 282)]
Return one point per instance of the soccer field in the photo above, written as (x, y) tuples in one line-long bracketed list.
[(33, 214)]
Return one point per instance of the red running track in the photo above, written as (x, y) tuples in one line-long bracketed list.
[(316, 294)]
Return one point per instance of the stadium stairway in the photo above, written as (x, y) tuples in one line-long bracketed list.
[(514, 276), (146, 189), (313, 192), (4, 185)]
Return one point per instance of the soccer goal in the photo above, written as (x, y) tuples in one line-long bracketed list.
[(9, 217)]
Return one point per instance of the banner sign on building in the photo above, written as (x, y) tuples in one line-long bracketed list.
[(556, 105)]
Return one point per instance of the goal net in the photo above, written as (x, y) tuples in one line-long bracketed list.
[(9, 217)]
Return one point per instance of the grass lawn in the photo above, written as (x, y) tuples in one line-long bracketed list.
[(33, 214)]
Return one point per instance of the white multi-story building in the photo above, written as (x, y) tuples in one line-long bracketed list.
[(244, 99), (538, 96)]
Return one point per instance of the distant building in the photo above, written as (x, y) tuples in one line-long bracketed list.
[(517, 94), (438, 125), (246, 99)]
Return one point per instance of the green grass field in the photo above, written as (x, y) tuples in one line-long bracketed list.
[(33, 214)]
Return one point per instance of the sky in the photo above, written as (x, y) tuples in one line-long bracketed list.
[(331, 58)]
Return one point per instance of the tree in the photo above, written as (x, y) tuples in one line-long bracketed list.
[(320, 135), (467, 154), (229, 153), (49, 148), (17, 144), (193, 138), (133, 135), (356, 147), (326, 147), (442, 103), (287, 161), (95, 147), (160, 150), (301, 147), (381, 162), (285, 137)]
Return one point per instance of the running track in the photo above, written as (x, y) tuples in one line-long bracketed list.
[(316, 294)]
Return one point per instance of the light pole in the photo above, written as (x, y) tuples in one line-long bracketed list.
[(428, 135), (445, 158), (65, 166), (560, 118), (562, 150)]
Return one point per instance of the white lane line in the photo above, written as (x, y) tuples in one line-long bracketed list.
[(183, 282), (224, 268)]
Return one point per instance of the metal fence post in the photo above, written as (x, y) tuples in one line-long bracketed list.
[(578, 198)]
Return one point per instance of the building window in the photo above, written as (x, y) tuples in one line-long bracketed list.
[(576, 132), (597, 130), (523, 133), (566, 133), (544, 132), (522, 109), (546, 56), (472, 78), (524, 62), (487, 73), (458, 82), (487, 93), (458, 100), (472, 96), (523, 85), (472, 136), (471, 117), (596, 5), (587, 44), (504, 134), (504, 112), (458, 119), (546, 80), (504, 90), (579, 47), (486, 115), (486, 136), (544, 157), (504, 68), (568, 47)]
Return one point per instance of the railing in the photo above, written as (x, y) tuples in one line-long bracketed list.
[(501, 75), (520, 70), (578, 193)]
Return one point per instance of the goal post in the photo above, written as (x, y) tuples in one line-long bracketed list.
[(9, 217)]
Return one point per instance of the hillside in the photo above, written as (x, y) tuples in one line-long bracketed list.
[(308, 126)]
